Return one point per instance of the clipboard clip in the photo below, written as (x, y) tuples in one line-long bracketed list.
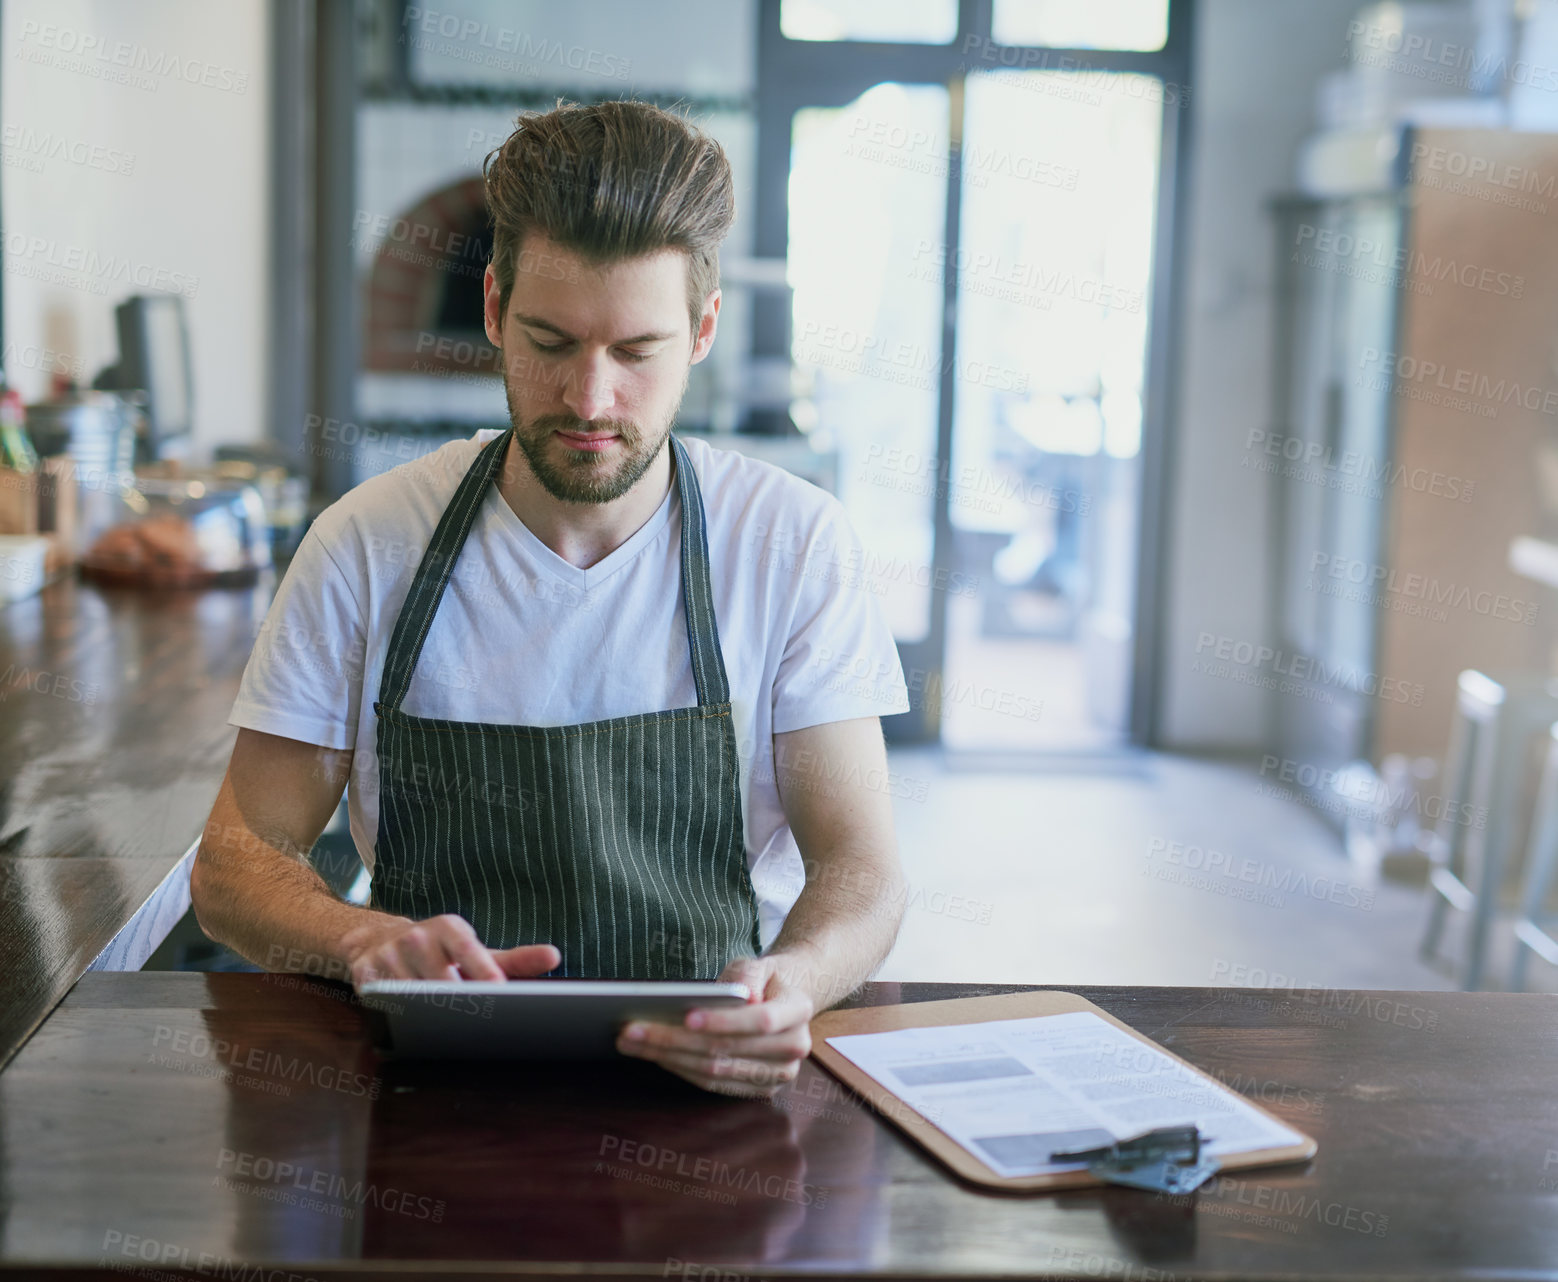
[(1165, 1160)]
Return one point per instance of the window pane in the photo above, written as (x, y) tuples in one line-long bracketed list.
[(1054, 279), (1096, 24), (868, 199), (601, 48), (924, 22)]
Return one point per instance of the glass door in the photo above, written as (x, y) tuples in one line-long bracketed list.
[(867, 210), (1054, 290), (967, 194)]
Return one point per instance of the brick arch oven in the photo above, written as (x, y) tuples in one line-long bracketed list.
[(424, 303)]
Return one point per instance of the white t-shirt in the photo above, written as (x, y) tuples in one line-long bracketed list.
[(522, 637)]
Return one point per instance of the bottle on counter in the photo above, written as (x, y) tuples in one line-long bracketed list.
[(16, 448)]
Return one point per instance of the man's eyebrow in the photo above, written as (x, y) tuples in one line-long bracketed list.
[(538, 322)]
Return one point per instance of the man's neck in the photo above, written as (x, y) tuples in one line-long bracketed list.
[(583, 534)]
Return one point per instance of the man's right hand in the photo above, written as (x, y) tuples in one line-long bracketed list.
[(252, 887), (443, 947)]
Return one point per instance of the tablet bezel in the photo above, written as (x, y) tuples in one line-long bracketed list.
[(573, 988)]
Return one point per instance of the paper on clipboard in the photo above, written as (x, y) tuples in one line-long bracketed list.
[(1013, 1091)]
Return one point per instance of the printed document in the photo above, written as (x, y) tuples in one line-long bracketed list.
[(1014, 1091)]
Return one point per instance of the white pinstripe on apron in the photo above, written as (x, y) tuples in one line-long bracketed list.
[(619, 841)]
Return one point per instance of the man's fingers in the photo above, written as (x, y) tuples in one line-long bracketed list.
[(751, 971), (395, 961), (789, 1043), (728, 1074), (527, 961), (455, 939), (476, 962), (382, 963), (422, 952), (720, 1064), (784, 1011), (445, 947)]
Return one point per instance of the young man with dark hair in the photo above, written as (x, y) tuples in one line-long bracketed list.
[(580, 674)]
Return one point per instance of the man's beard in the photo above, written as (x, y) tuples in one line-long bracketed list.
[(581, 476)]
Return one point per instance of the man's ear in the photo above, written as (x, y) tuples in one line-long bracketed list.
[(492, 313), (704, 338)]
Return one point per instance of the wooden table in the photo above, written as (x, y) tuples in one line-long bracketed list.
[(113, 743), (206, 1125)]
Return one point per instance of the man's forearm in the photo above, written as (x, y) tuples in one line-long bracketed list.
[(270, 907), (842, 926)]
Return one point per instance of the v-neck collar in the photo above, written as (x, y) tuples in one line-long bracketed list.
[(566, 571)]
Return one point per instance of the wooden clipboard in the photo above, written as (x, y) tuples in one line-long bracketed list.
[(976, 1010)]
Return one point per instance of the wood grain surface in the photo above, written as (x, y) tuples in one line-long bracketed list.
[(113, 743), (188, 1124)]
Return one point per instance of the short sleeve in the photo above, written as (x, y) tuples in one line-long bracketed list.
[(839, 661), (304, 677)]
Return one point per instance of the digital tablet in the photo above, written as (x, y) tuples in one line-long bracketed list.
[(527, 1018)]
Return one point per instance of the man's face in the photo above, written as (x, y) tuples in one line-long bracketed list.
[(596, 358)]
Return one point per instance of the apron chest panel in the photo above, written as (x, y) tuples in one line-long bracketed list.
[(619, 841)]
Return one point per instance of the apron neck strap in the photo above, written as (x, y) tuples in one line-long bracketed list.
[(437, 567), (708, 665)]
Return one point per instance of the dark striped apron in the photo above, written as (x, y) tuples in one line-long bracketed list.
[(619, 841)]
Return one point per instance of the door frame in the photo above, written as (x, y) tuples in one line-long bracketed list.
[(795, 74)]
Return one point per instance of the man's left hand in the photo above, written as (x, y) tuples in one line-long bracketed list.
[(752, 1050)]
